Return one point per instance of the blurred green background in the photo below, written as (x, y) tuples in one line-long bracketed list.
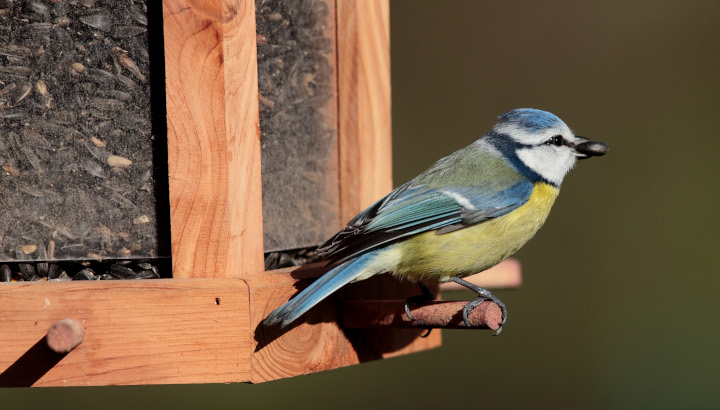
[(619, 308)]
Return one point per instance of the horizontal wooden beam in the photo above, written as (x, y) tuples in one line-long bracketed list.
[(191, 330), (137, 332)]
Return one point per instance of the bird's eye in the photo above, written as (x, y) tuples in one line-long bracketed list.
[(556, 140)]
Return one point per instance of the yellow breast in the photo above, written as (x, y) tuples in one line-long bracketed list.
[(467, 251)]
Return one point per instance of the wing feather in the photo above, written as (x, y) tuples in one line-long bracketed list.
[(423, 204)]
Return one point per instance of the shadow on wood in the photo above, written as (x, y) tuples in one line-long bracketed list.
[(365, 342), (31, 366), (315, 342)]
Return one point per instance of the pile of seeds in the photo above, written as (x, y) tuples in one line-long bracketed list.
[(76, 148), (297, 122), (82, 270), (294, 257)]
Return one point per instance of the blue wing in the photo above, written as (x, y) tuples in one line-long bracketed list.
[(465, 188), (446, 206)]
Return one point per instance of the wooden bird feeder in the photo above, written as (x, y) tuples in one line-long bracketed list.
[(321, 124)]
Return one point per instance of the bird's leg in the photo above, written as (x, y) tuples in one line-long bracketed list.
[(483, 295), (426, 296)]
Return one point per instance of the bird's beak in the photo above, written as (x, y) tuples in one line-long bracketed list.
[(584, 148)]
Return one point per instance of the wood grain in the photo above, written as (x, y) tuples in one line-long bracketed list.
[(190, 330), (137, 332), (364, 130), (316, 342), (213, 137)]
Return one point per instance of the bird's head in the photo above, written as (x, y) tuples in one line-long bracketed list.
[(543, 142)]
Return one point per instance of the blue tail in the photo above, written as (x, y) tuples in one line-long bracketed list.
[(336, 278)]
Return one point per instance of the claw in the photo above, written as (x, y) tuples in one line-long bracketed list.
[(465, 316), (426, 296), (483, 295), (407, 308)]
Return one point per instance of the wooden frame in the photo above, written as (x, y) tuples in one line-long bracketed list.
[(202, 326)]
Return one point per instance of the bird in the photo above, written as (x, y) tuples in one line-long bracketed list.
[(466, 213)]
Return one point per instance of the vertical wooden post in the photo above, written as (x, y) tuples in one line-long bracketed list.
[(364, 129), (213, 137)]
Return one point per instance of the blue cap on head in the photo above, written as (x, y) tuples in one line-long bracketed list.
[(531, 118)]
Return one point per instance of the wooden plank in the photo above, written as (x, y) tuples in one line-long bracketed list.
[(190, 330), (315, 342), (213, 137), (365, 135), (505, 275), (137, 332)]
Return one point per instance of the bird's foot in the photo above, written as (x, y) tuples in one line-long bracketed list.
[(483, 295)]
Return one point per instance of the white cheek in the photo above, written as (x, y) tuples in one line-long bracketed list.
[(551, 163)]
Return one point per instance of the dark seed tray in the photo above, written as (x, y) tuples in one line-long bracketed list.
[(289, 258), (29, 270), (85, 270)]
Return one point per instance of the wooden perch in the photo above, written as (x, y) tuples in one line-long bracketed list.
[(65, 335), (362, 314)]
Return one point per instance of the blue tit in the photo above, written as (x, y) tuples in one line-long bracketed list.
[(463, 215)]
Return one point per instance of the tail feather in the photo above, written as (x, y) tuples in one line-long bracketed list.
[(333, 280)]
